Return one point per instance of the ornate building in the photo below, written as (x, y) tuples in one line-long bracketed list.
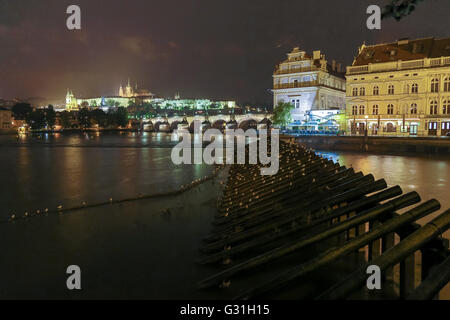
[(130, 92), (400, 88), (5, 118), (310, 83)]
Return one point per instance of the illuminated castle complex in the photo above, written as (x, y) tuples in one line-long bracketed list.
[(129, 96), (130, 92)]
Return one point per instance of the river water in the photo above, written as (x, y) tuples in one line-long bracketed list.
[(149, 251)]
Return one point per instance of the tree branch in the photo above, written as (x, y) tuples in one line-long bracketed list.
[(399, 9)]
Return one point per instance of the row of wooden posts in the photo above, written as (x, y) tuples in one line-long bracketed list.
[(273, 234)]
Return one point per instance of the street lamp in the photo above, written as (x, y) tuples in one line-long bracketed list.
[(367, 128)]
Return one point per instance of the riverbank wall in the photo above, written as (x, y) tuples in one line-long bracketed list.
[(369, 144)]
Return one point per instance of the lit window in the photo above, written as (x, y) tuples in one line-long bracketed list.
[(414, 108)]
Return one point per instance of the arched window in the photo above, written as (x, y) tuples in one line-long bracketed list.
[(446, 107), (435, 85), (354, 110), (390, 109), (391, 89), (414, 108), (375, 109), (355, 92), (362, 91), (376, 91), (362, 109), (447, 84), (415, 88), (433, 107)]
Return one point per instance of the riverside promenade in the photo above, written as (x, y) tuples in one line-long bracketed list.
[(375, 144), (313, 229)]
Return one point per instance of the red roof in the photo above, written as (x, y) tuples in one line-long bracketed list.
[(404, 50)]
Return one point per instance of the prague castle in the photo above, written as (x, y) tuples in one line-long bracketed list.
[(129, 96), (129, 92)]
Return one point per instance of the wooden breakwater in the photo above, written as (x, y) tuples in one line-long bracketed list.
[(374, 144), (311, 231)]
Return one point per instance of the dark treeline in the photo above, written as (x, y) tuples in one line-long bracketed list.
[(47, 118)]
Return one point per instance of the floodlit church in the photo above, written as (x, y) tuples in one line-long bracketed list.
[(71, 101), (130, 92), (126, 96), (313, 86)]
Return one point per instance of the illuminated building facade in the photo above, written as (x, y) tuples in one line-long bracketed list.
[(130, 92), (129, 96), (71, 102), (309, 83), (5, 118), (400, 88)]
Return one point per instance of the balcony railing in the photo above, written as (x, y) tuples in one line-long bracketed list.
[(296, 84), (295, 70), (399, 65)]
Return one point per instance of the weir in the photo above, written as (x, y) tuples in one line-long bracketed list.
[(311, 230)]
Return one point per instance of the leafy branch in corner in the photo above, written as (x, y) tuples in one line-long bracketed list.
[(399, 9)]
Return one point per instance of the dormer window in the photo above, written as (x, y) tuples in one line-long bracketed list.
[(369, 54)]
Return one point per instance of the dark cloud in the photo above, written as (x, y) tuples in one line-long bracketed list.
[(215, 48)]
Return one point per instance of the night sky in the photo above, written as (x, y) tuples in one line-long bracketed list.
[(213, 49)]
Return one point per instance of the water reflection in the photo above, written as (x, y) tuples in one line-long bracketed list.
[(428, 175)]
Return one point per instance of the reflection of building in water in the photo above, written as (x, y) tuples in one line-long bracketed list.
[(309, 83), (400, 88)]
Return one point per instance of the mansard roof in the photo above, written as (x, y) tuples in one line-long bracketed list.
[(403, 50)]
